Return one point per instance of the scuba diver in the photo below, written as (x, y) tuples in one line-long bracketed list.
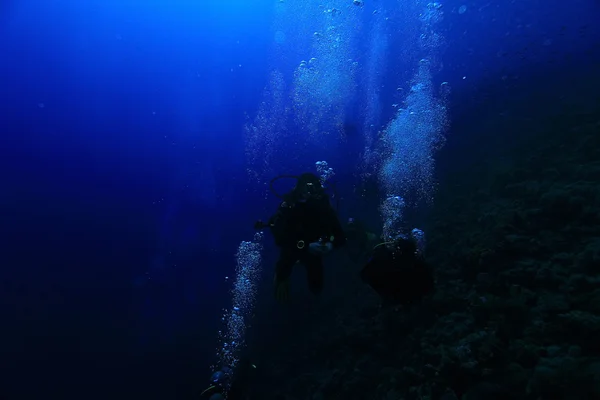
[(219, 381), (397, 270), (305, 228), (230, 385)]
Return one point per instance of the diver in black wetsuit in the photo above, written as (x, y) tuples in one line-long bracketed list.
[(305, 228), (219, 384), (398, 272), (231, 384)]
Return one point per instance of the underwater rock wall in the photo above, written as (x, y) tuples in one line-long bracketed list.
[(515, 242), (519, 300)]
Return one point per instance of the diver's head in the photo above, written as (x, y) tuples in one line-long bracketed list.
[(403, 245), (308, 187)]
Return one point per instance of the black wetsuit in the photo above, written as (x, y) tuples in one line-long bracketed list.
[(297, 224), (398, 275), (242, 385), (235, 384)]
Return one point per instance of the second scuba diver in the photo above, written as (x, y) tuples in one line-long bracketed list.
[(397, 270), (230, 384), (305, 228)]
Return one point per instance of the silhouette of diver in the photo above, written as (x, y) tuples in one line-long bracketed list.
[(231, 384), (305, 228), (398, 272)]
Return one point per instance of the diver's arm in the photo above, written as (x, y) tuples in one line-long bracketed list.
[(277, 217), (279, 224)]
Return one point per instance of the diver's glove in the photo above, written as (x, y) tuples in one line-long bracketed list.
[(320, 248), (282, 289)]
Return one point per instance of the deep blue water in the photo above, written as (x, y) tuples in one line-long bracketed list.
[(125, 191)]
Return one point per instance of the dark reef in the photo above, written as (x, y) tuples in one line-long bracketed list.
[(515, 241)]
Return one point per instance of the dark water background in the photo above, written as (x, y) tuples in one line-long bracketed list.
[(122, 156)]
